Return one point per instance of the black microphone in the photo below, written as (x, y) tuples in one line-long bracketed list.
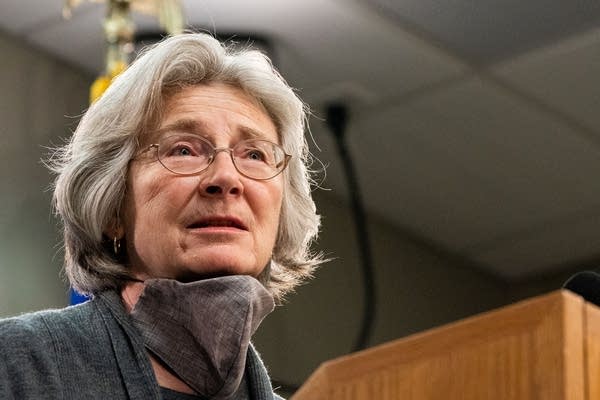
[(586, 284)]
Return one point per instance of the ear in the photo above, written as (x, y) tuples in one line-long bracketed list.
[(115, 229), (119, 232)]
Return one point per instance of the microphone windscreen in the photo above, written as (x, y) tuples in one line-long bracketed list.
[(586, 284)]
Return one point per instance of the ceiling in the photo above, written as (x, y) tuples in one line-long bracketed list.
[(475, 125)]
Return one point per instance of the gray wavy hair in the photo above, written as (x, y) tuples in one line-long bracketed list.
[(92, 168)]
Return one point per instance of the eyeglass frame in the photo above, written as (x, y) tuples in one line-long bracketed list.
[(213, 156)]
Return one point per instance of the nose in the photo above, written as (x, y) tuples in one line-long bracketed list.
[(221, 178)]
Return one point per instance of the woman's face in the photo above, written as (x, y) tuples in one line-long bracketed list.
[(216, 223)]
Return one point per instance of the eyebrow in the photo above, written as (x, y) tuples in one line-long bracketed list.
[(185, 125), (200, 128)]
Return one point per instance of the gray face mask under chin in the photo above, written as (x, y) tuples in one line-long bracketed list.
[(202, 330)]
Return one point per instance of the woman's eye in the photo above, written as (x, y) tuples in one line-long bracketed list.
[(255, 155), (181, 150)]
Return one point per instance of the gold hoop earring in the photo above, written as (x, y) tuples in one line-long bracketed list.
[(116, 246)]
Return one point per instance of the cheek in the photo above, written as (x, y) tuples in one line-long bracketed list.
[(271, 203), (149, 195)]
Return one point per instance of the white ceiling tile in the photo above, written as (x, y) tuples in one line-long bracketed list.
[(490, 30), (79, 40), (565, 76), (471, 162), (360, 57)]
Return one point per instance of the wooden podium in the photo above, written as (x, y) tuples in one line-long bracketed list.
[(545, 348)]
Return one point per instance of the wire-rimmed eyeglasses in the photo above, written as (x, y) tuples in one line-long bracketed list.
[(187, 154)]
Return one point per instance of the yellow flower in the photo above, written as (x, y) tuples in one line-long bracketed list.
[(103, 82), (98, 87)]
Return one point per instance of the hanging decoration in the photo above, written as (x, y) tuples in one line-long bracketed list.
[(119, 32)]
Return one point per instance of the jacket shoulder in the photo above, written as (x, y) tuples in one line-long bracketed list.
[(37, 349), (41, 326)]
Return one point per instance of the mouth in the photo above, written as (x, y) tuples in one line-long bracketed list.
[(218, 222)]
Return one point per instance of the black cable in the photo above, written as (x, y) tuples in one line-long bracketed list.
[(337, 120)]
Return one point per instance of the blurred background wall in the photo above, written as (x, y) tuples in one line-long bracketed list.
[(41, 99)]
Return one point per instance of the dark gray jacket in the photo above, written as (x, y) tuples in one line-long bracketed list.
[(89, 351)]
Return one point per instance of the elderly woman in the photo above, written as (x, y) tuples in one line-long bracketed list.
[(185, 199)]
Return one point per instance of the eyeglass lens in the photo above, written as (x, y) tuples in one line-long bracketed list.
[(190, 154)]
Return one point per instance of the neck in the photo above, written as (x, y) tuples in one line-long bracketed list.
[(130, 294)]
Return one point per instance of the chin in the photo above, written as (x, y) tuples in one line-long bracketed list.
[(192, 275)]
